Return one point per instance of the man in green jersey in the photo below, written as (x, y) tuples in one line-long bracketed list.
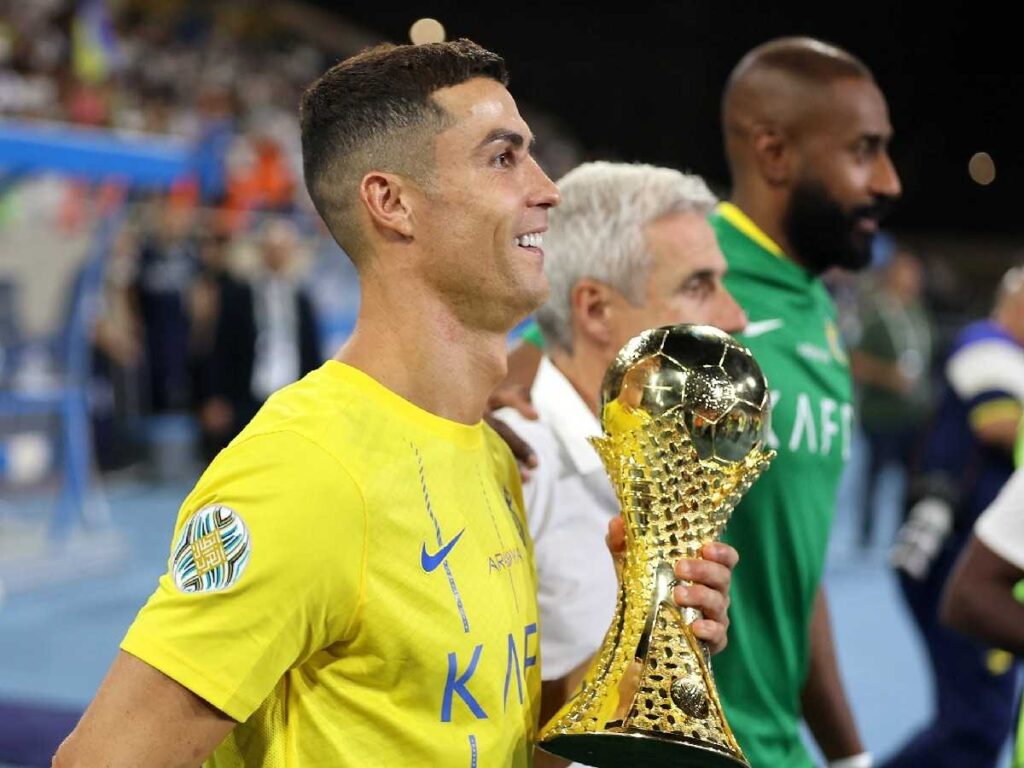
[(806, 134)]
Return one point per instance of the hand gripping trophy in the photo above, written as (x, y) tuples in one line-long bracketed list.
[(685, 411)]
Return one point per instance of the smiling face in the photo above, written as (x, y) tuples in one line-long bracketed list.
[(847, 181), (479, 219)]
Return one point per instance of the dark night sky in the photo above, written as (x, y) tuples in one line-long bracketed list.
[(644, 84)]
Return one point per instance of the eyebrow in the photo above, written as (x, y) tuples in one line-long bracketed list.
[(875, 138), (512, 137), (700, 274)]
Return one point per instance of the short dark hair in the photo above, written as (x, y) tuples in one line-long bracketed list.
[(374, 111)]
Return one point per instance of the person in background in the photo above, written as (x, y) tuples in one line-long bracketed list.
[(966, 458), (891, 364), (984, 597), (265, 338), (166, 268), (629, 249)]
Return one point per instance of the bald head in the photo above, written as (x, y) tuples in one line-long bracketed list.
[(807, 133), (782, 85)]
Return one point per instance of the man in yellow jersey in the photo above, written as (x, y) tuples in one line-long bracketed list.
[(351, 582)]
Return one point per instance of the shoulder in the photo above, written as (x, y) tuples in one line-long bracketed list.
[(984, 359), (1001, 525), (276, 464)]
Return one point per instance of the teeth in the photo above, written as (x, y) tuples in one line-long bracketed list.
[(533, 240)]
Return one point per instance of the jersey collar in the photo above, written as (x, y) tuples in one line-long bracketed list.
[(746, 225)]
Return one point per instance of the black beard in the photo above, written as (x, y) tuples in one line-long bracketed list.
[(823, 235)]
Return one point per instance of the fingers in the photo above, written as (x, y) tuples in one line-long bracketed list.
[(708, 592), (520, 448), (714, 633), (616, 536), (712, 603), (721, 553), (710, 574), (713, 627)]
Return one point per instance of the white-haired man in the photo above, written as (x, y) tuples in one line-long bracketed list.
[(630, 248)]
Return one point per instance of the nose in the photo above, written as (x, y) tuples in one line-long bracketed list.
[(885, 181), (729, 315), (545, 192)]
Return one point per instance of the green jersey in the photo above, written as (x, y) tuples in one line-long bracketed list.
[(781, 528)]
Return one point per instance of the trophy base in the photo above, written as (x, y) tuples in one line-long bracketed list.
[(608, 749)]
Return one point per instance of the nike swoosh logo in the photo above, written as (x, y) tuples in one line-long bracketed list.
[(430, 562), (761, 327)]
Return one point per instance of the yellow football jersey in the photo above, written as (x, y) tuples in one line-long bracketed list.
[(351, 580)]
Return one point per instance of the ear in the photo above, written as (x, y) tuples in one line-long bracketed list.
[(591, 302), (773, 152), (387, 200)]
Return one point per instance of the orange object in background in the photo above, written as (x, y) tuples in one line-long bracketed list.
[(265, 183)]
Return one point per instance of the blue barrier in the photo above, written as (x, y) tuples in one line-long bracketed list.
[(94, 155), (31, 147)]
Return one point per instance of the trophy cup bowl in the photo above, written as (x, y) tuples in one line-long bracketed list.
[(684, 410)]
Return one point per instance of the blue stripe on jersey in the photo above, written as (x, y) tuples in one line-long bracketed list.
[(437, 531)]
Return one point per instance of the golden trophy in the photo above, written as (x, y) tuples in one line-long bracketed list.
[(684, 410)]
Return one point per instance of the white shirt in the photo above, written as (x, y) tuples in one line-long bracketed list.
[(277, 360), (569, 501), (1001, 526)]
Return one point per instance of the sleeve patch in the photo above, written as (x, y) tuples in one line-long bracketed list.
[(211, 552)]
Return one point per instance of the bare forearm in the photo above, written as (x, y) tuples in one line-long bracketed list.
[(823, 698), (979, 600), (141, 717)]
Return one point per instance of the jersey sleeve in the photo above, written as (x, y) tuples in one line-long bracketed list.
[(266, 568), (1001, 526), (989, 377)]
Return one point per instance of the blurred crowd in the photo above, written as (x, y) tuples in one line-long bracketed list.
[(226, 80)]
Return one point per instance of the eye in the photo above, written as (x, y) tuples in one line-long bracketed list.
[(697, 287), (867, 148), (505, 160)]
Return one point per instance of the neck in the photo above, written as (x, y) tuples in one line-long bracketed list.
[(767, 211), (585, 372), (413, 344)]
